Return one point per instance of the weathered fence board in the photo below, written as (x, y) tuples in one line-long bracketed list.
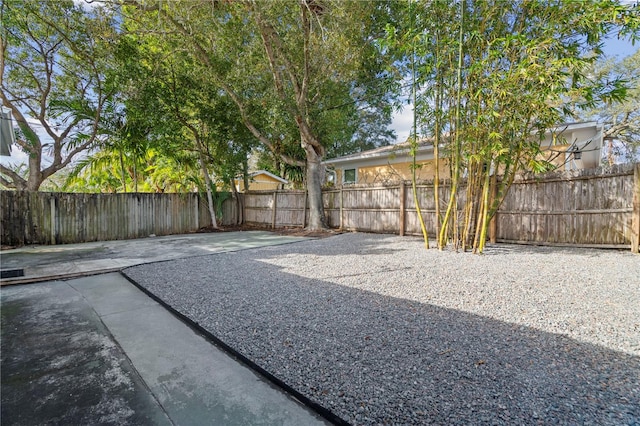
[(61, 218), (275, 208), (577, 208)]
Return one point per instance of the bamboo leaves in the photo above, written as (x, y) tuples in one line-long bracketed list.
[(492, 81)]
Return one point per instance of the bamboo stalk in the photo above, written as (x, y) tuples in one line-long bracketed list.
[(635, 223)]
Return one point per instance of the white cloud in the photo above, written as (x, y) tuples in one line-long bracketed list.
[(402, 121)]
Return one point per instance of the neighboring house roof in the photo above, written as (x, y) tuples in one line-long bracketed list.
[(563, 127), (398, 153), (562, 134), (253, 175)]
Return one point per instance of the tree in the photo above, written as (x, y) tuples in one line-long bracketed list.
[(165, 112), (281, 63), (54, 69), (111, 170), (621, 119), (189, 112)]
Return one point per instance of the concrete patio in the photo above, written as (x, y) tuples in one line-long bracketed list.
[(97, 350), (41, 263)]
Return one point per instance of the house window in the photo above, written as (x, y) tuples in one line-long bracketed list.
[(349, 176)]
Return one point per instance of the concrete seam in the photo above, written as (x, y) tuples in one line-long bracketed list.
[(124, 353)]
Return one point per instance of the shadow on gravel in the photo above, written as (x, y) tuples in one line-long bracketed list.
[(374, 359), (500, 249)]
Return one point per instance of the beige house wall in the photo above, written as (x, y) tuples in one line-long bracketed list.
[(390, 173), (571, 146), (259, 183)]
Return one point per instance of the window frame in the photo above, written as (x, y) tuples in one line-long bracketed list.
[(355, 175)]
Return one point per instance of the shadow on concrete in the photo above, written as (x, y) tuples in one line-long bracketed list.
[(96, 350)]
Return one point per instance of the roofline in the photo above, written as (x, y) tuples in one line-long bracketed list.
[(264, 172), (403, 147), (402, 151), (563, 127)]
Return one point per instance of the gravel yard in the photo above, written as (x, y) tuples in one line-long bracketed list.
[(380, 331)]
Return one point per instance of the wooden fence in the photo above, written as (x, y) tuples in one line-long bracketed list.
[(275, 209), (598, 208), (60, 218), (583, 208)]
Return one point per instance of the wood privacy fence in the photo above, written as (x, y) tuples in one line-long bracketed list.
[(599, 208), (60, 218)]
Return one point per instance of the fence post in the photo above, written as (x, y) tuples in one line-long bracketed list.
[(197, 203), (403, 196), (341, 210), (304, 209), (273, 213), (635, 222), (243, 204), (138, 220), (52, 206)]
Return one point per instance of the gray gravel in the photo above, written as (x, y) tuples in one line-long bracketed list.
[(380, 331)]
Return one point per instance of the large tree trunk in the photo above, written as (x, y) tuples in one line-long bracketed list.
[(35, 178), (315, 175), (207, 182)]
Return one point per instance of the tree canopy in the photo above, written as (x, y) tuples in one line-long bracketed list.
[(54, 74)]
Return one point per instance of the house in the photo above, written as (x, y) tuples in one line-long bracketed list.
[(260, 180), (568, 146), (7, 136), (574, 146)]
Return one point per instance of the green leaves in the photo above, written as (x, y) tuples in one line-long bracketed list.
[(55, 71), (522, 62)]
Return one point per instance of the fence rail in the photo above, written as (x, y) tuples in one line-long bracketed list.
[(587, 208)]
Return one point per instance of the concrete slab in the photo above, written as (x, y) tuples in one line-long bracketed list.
[(110, 294), (71, 260), (60, 364), (142, 365)]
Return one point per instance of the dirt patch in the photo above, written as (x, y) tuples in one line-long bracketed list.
[(289, 231)]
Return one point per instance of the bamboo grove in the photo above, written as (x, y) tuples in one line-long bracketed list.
[(489, 77)]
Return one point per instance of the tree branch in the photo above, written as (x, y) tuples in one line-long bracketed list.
[(255, 132), (306, 27), (272, 35)]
